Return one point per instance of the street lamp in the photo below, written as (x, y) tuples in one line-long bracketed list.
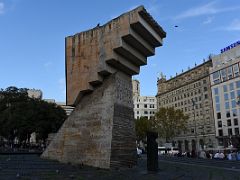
[(195, 126)]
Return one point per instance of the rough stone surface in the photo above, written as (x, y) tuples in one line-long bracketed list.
[(99, 66)]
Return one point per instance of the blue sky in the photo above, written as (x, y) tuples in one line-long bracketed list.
[(32, 37)]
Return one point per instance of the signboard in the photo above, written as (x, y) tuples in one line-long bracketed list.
[(230, 46)]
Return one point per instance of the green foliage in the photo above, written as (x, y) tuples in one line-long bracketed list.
[(20, 115), (142, 125), (168, 122)]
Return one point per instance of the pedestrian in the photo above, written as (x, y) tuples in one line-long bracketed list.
[(229, 156), (234, 156), (238, 155), (216, 155), (208, 155)]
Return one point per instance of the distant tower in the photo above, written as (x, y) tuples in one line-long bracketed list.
[(161, 83), (136, 88)]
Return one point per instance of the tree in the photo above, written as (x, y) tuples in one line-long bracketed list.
[(142, 125), (168, 122), (21, 115)]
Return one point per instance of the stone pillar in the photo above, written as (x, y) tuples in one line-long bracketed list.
[(152, 151)]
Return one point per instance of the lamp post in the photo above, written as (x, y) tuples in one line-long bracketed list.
[(195, 126)]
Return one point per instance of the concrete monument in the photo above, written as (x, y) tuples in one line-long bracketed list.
[(99, 65)]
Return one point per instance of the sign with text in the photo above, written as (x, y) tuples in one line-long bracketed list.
[(230, 46)]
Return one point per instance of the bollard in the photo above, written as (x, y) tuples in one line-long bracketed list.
[(152, 151)]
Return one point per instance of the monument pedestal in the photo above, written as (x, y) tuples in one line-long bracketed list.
[(100, 131)]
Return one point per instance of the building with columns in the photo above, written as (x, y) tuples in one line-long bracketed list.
[(190, 92), (144, 106)]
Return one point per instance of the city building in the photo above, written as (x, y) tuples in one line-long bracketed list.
[(35, 93), (225, 84), (144, 106), (68, 109), (190, 92)]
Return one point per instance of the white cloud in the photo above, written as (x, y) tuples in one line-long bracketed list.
[(2, 6), (209, 20), (207, 9)]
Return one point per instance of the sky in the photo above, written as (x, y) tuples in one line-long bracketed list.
[(32, 35)]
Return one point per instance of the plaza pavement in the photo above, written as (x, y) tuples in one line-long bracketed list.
[(31, 166)]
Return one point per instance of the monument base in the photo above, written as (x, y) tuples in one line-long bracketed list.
[(100, 131)]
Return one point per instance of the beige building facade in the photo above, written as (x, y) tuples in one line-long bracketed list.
[(191, 93)]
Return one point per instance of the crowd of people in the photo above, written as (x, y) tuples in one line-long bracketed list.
[(232, 155), (229, 155)]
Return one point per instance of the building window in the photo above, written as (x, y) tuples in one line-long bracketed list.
[(236, 131), (192, 131), (231, 85), (238, 93), (236, 70), (226, 105), (232, 95), (204, 81), (217, 99), (145, 105), (230, 74), (216, 92), (219, 124), (205, 96), (137, 112), (234, 104), (218, 115), (216, 77), (145, 112), (238, 84), (151, 105), (225, 96), (235, 121), (229, 122), (137, 105), (224, 74), (220, 132), (205, 89), (228, 114), (234, 112), (225, 88), (217, 107), (230, 132)]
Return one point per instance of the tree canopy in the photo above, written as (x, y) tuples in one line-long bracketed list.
[(142, 125), (21, 115), (168, 122)]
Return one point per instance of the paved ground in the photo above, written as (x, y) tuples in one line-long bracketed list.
[(33, 167)]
